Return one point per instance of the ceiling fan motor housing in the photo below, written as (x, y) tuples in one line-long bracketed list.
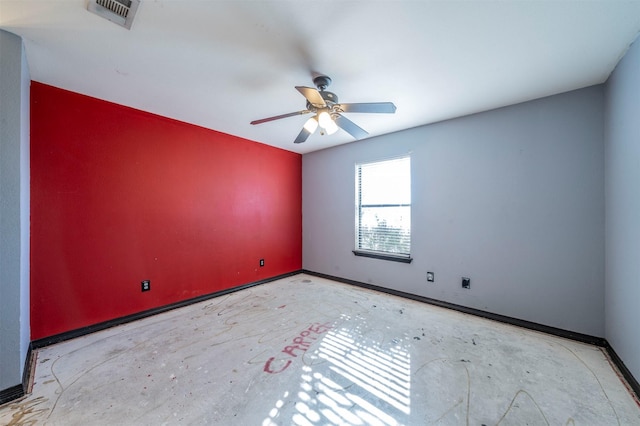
[(329, 97)]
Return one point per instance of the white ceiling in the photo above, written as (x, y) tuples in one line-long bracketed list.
[(221, 64)]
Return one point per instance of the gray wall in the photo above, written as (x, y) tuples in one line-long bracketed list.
[(14, 210), (512, 198), (622, 184)]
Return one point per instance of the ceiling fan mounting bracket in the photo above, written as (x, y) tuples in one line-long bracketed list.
[(322, 82)]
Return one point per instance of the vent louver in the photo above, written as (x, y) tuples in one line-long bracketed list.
[(120, 12)]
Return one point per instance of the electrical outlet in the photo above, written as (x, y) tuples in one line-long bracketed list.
[(431, 277), (261, 263), (466, 282), (145, 285)]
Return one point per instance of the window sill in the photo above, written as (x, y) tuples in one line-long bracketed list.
[(384, 256)]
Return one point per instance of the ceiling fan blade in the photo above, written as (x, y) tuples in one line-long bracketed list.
[(371, 107), (313, 96), (302, 136), (350, 127), (278, 117)]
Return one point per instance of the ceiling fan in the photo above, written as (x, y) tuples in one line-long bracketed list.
[(328, 112)]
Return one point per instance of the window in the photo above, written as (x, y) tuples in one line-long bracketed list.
[(383, 209)]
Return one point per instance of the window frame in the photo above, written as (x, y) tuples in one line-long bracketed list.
[(375, 254)]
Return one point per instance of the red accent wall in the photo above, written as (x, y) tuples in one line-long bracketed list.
[(119, 196)]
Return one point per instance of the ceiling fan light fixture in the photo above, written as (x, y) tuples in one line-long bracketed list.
[(311, 125), (331, 127), (324, 119)]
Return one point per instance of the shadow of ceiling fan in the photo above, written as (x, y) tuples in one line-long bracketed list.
[(328, 112)]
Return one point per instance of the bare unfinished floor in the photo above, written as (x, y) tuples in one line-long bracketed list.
[(308, 351)]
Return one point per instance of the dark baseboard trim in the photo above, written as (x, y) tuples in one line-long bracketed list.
[(11, 394), (29, 370), (584, 338), (68, 335), (631, 381), (18, 391)]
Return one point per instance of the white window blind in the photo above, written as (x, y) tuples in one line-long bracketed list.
[(383, 206)]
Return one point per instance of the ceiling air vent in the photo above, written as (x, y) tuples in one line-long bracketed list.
[(120, 12)]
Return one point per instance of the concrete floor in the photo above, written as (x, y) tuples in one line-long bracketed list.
[(308, 351)]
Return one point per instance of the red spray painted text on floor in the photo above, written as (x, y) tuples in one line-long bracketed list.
[(301, 344)]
